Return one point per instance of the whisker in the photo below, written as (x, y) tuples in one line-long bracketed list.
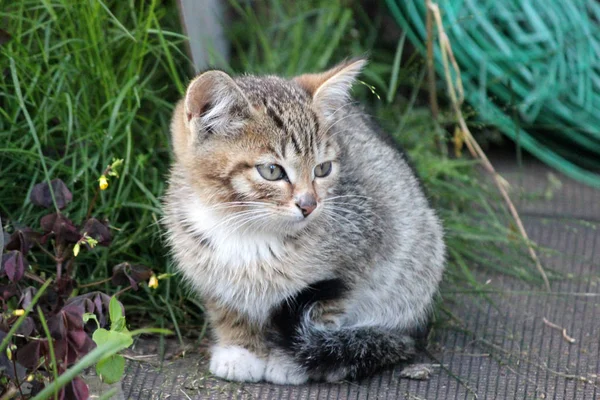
[(347, 195), (361, 208), (336, 111), (230, 219), (337, 122), (336, 215), (342, 209), (249, 219)]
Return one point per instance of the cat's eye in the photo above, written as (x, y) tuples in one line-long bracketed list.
[(271, 172), (322, 170)]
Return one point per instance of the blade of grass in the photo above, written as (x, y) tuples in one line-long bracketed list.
[(13, 72), (116, 20), (53, 364), (396, 69)]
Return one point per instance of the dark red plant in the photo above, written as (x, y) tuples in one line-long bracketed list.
[(27, 364)]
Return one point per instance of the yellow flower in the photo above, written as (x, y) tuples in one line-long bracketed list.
[(30, 378), (18, 312), (103, 182), (76, 249), (153, 282)]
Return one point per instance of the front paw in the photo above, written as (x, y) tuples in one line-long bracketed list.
[(235, 363), (282, 370)]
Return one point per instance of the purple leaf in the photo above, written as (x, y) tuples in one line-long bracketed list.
[(126, 273), (23, 240), (78, 345), (58, 326), (140, 273), (73, 314), (30, 354), (40, 194), (63, 229), (27, 327), (8, 291), (101, 301), (60, 349), (98, 231), (93, 302), (66, 327), (27, 296), (13, 265), (50, 301), (77, 390)]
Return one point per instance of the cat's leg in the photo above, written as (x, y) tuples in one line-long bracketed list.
[(239, 353)]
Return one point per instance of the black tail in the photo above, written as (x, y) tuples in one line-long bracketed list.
[(347, 352)]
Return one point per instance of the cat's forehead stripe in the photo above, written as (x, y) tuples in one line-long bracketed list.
[(289, 107)]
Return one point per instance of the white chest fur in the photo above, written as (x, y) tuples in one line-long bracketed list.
[(248, 271)]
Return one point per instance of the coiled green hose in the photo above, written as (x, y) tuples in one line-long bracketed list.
[(529, 67)]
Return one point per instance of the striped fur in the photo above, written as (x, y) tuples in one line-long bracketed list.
[(268, 274)]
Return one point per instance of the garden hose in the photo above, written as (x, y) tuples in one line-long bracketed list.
[(530, 68)]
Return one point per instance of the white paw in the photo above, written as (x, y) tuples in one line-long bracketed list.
[(284, 371), (235, 363)]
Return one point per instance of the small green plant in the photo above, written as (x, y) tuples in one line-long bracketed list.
[(110, 369)]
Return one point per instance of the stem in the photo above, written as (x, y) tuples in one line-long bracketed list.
[(17, 377), (54, 364), (95, 283), (122, 291), (92, 204), (58, 270), (69, 266), (472, 144), (33, 277), (435, 111), (46, 251), (58, 249)]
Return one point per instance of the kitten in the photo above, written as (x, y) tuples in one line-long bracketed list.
[(302, 227)]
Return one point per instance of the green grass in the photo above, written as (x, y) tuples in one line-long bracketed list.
[(87, 81), (84, 82)]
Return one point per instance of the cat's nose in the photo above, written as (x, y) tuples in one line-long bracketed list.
[(307, 203)]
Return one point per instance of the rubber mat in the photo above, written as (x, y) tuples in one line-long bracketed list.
[(522, 343)]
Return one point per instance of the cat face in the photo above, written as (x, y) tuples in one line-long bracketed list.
[(266, 176), (258, 151)]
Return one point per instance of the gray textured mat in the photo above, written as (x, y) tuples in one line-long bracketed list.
[(501, 349)]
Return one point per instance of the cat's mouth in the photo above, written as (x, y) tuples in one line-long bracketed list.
[(296, 220)]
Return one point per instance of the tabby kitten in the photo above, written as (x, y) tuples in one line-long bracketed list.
[(301, 226)]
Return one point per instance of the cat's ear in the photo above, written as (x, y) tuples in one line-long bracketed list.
[(330, 90), (214, 103)]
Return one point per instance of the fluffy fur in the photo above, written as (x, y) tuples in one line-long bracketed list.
[(336, 294)]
